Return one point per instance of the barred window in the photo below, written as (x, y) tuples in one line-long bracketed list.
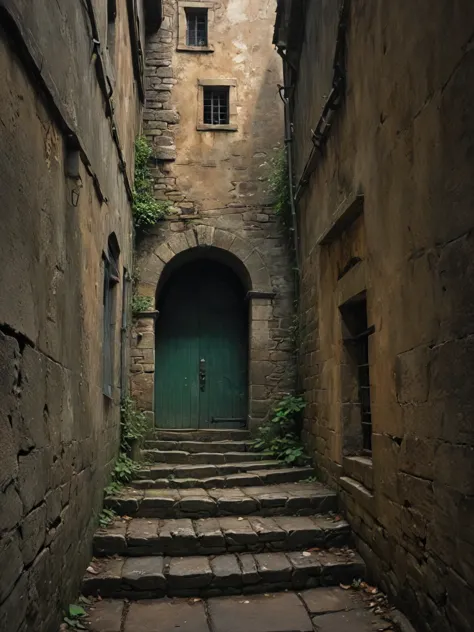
[(196, 27), (216, 105), (111, 279)]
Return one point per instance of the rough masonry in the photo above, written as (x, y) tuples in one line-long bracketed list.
[(217, 183)]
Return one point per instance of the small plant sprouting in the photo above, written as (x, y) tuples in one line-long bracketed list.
[(141, 304), (106, 517), (75, 616), (278, 436), (147, 211)]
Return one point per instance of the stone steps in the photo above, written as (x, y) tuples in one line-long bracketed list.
[(269, 500), (214, 536), (228, 574), (201, 458), (193, 447), (163, 470), (150, 479), (199, 435)]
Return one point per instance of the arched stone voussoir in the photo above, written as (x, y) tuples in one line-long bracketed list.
[(258, 272), (204, 234), (177, 243)]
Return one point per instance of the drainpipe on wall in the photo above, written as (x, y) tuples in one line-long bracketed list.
[(289, 161)]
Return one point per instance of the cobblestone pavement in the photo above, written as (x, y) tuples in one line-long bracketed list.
[(315, 610)]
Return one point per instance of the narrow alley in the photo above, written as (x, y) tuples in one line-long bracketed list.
[(236, 316)]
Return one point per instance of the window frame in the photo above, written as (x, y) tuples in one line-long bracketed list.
[(111, 277), (183, 7), (231, 85), (193, 13)]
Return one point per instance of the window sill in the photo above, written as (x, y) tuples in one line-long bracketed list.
[(202, 127), (194, 49)]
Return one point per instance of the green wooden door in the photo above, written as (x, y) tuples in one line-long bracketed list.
[(201, 349)]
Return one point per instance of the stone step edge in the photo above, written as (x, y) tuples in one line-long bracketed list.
[(205, 576), (255, 478), (193, 447), (221, 469), (199, 458), (211, 432), (213, 536), (150, 504)]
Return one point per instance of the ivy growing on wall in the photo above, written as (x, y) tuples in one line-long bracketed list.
[(146, 209), (141, 304), (279, 187), (133, 427)]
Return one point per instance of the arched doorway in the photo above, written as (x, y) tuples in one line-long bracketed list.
[(201, 359)]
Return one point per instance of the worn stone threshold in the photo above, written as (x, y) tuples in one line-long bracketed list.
[(197, 458), (241, 479), (207, 576), (161, 470), (287, 499), (213, 536), (192, 434), (315, 610)]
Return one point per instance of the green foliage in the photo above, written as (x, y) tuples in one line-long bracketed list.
[(279, 187), (146, 210), (74, 615), (133, 423), (133, 427), (279, 435), (106, 517), (141, 304)]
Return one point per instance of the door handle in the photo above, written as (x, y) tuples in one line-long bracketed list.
[(202, 374)]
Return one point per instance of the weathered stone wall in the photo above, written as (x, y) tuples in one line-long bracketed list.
[(217, 180), (403, 140), (63, 190)]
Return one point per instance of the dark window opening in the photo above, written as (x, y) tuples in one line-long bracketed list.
[(216, 106), (111, 279), (354, 314), (196, 27)]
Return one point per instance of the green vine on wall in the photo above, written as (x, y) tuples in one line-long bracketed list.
[(133, 427), (141, 304), (279, 187), (147, 211)]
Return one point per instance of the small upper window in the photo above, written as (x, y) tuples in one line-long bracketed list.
[(196, 27), (216, 105)]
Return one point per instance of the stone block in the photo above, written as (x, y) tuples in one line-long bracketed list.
[(325, 600), (170, 615), (144, 573), (249, 569), (106, 615), (33, 531), (33, 478), (275, 613), (11, 508), (226, 571), (204, 235), (11, 563), (273, 567), (189, 572)]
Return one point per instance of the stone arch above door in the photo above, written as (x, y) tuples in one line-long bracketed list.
[(152, 261), (268, 354)]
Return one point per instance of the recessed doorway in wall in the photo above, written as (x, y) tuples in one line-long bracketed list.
[(201, 360)]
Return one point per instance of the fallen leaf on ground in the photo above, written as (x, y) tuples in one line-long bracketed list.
[(344, 586), (306, 554), (92, 571)]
